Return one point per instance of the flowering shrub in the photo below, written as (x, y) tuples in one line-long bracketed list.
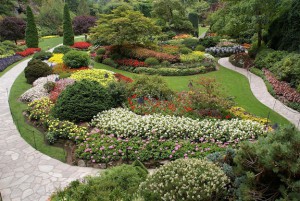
[(104, 77), (62, 68), (241, 60), (185, 179), (130, 62), (59, 87), (225, 51), (44, 80), (81, 45), (28, 51), (5, 62), (182, 36), (123, 78), (143, 53), (282, 88), (124, 123), (195, 56), (241, 113), (39, 110), (56, 58), (170, 49), (100, 148)]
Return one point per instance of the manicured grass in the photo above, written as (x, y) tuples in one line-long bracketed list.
[(202, 30), (33, 136), (233, 84)]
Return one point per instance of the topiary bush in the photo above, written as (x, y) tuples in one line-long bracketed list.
[(42, 55), (76, 59), (36, 69), (118, 183), (63, 49), (185, 179), (151, 61), (81, 101)]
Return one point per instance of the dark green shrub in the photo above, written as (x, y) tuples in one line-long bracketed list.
[(101, 51), (36, 69), (209, 41), (165, 63), (63, 49), (81, 101), (109, 62), (68, 32), (185, 50), (76, 59), (31, 33), (200, 48), (151, 61), (116, 56), (153, 86), (49, 86), (267, 58), (99, 58), (42, 55), (270, 166), (118, 183), (117, 91), (190, 42)]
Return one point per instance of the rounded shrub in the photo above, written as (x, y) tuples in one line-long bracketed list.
[(42, 55), (109, 62), (185, 179), (81, 101), (76, 59), (165, 63), (99, 58), (190, 42), (101, 51), (151, 61), (63, 49), (200, 48), (185, 50), (36, 69)]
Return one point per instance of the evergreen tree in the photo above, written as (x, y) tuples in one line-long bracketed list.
[(31, 33), (67, 27)]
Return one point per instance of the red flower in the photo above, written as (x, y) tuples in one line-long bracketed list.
[(28, 51), (81, 45), (131, 62)]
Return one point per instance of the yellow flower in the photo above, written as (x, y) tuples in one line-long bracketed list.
[(104, 77), (56, 58)]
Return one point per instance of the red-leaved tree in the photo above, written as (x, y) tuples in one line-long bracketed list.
[(12, 28), (81, 24)]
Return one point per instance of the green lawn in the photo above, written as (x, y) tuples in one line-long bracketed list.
[(33, 136), (202, 30), (233, 84)]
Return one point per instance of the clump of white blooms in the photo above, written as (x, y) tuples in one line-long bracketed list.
[(38, 91), (124, 123), (186, 179)]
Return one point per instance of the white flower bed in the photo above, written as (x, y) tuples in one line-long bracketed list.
[(44, 80), (125, 123)]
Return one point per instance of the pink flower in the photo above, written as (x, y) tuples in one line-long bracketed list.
[(93, 161), (102, 148), (171, 156)]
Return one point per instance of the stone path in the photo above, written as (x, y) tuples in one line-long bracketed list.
[(260, 91), (25, 173)]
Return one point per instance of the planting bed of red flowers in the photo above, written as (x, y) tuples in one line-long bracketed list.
[(28, 51), (81, 45), (143, 53), (131, 62)]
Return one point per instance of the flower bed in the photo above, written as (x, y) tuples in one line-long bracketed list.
[(124, 123), (5, 62), (130, 62), (182, 36), (103, 77), (62, 68), (57, 58), (170, 71), (81, 45), (28, 51), (225, 51), (60, 85), (47, 37), (241, 113), (195, 56), (143, 53)]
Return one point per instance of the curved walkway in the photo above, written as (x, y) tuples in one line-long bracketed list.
[(260, 91), (25, 173)]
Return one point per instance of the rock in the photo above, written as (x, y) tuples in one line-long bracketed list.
[(81, 163)]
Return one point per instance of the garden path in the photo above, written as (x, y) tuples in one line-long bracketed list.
[(260, 91), (25, 173)]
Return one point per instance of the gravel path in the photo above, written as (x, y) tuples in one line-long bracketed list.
[(260, 91), (25, 173)]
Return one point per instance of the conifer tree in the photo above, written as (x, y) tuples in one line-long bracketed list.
[(67, 27), (31, 33)]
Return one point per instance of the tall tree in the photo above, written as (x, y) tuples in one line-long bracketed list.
[(12, 28), (31, 33), (82, 24), (67, 27), (83, 8)]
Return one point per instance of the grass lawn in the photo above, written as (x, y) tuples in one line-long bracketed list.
[(233, 84), (32, 136), (202, 30)]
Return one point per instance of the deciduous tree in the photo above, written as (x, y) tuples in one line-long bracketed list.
[(12, 28)]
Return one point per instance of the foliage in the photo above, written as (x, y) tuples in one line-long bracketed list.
[(42, 55), (8, 48), (63, 49), (12, 28), (103, 77), (241, 60), (209, 41), (60, 85), (185, 179), (6, 62), (225, 51), (150, 86), (200, 48), (118, 183), (76, 59), (118, 91), (130, 62), (67, 27), (36, 69), (31, 33), (124, 123), (56, 58), (195, 56), (270, 166), (109, 62), (81, 45), (39, 110), (151, 61), (266, 58), (109, 32), (82, 24), (185, 50), (28, 51), (190, 42), (81, 101), (165, 71), (143, 53), (101, 51)]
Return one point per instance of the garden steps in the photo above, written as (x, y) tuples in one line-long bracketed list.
[(260, 91)]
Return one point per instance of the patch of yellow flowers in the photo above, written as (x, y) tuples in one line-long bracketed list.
[(103, 77), (39, 110), (195, 56), (241, 113), (47, 37), (57, 58)]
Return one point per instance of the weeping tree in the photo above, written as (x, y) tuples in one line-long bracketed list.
[(67, 27), (31, 33)]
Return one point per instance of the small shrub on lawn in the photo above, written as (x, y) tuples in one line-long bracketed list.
[(151, 61), (101, 51), (185, 179), (63, 49), (99, 58), (42, 55), (76, 59), (81, 101), (36, 69)]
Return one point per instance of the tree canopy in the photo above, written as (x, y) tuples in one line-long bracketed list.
[(12, 28)]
